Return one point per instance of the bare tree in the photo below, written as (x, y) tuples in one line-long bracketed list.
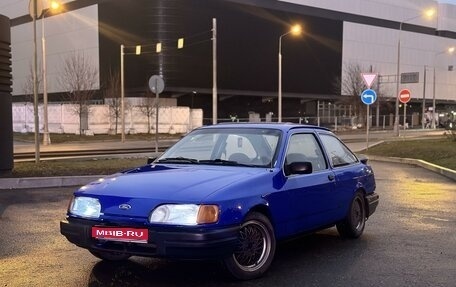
[(27, 87), (148, 108), (79, 78), (111, 95), (352, 85)]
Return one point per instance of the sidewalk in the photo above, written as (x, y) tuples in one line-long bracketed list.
[(355, 141), (21, 147)]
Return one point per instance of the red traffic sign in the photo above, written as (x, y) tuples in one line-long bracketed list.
[(404, 96)]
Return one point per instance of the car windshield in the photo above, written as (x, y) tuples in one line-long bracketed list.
[(254, 147)]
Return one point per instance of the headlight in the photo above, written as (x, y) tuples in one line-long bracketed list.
[(85, 207), (184, 214)]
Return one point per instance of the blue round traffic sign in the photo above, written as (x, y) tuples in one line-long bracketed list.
[(368, 96)]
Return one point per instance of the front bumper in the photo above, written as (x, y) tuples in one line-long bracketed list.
[(371, 203), (185, 243)]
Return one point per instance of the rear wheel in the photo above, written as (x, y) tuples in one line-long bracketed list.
[(110, 256), (353, 225), (255, 250)]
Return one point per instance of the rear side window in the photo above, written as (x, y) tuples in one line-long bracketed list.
[(338, 153)]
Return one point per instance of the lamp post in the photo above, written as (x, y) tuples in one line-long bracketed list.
[(429, 14), (423, 105), (295, 30), (46, 139), (35, 12), (450, 50), (122, 93)]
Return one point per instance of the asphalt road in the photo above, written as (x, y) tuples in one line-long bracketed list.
[(409, 241)]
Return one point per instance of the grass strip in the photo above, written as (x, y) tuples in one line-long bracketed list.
[(437, 151), (73, 167)]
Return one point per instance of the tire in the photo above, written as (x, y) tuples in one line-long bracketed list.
[(255, 250), (353, 225), (110, 256)]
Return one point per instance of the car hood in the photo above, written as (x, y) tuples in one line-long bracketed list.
[(146, 187)]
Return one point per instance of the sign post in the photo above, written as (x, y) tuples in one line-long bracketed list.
[(368, 97), (156, 85), (404, 97)]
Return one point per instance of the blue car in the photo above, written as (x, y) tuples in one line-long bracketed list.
[(227, 191)]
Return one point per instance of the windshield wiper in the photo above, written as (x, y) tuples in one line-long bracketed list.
[(179, 159), (219, 161), (223, 162)]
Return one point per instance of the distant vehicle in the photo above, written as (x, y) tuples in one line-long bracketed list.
[(227, 191), (447, 120)]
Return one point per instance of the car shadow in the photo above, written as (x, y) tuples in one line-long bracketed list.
[(294, 259), (154, 272)]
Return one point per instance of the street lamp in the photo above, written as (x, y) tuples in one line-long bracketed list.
[(122, 93), (450, 50), (429, 13), (423, 105), (295, 30), (54, 6), (35, 12)]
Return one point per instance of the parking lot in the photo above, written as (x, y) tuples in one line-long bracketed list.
[(409, 241)]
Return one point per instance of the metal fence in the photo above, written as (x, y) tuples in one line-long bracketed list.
[(336, 123)]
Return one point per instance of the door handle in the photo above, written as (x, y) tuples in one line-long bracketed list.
[(331, 177)]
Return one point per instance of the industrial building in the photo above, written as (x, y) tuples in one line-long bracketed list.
[(339, 38)]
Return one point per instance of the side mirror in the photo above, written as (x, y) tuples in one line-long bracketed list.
[(151, 160), (362, 158), (299, 167)]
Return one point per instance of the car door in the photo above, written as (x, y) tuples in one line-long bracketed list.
[(311, 195), (346, 169)]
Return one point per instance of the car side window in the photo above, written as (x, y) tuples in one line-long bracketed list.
[(305, 148), (339, 154)]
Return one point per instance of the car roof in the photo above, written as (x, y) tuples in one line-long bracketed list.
[(280, 126)]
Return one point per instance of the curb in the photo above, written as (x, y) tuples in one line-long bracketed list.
[(45, 182), (449, 173)]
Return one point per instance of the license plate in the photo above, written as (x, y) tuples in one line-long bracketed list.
[(124, 234)]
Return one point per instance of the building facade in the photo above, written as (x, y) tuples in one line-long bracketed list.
[(338, 36)]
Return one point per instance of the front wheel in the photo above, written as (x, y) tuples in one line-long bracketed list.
[(353, 225), (255, 250), (110, 256)]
